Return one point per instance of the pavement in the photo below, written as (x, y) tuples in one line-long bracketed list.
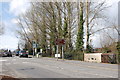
[(45, 67)]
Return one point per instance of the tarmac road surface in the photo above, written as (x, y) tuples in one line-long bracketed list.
[(51, 68)]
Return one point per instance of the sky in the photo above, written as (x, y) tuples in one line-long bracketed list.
[(9, 11)]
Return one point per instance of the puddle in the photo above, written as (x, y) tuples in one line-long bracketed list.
[(27, 69)]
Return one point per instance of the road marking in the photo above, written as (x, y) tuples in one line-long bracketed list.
[(25, 62), (3, 60), (23, 58), (59, 67)]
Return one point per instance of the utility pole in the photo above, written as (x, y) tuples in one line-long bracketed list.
[(57, 52), (34, 47), (87, 26), (62, 52), (18, 46), (33, 52)]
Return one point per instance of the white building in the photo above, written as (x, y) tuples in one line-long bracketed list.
[(92, 57), (100, 57)]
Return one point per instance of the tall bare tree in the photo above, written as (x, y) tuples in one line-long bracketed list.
[(94, 12)]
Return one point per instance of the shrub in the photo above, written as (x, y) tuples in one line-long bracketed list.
[(74, 55)]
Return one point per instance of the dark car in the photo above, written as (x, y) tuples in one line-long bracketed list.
[(9, 54), (23, 53), (17, 53)]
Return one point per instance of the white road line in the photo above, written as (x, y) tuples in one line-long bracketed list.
[(3, 60), (25, 62)]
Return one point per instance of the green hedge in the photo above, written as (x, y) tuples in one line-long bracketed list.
[(74, 55)]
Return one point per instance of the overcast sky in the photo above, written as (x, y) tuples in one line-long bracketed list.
[(10, 10)]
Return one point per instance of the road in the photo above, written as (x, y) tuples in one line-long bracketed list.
[(51, 68)]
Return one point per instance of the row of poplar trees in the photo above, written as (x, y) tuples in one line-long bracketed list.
[(45, 22)]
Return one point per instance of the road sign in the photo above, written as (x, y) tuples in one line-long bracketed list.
[(60, 42), (34, 46), (57, 55)]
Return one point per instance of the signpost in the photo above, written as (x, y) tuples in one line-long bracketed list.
[(62, 52), (60, 42), (34, 47), (57, 55), (57, 52)]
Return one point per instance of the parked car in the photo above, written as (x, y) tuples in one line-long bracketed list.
[(23, 53), (9, 54), (1, 54), (6, 54), (17, 53)]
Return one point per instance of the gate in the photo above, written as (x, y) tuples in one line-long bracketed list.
[(108, 58)]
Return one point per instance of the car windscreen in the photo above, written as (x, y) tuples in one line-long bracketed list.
[(23, 51)]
